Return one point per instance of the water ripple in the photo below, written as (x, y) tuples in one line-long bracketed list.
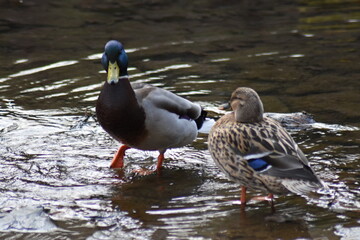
[(43, 68)]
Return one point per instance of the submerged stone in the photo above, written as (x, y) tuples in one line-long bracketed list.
[(292, 120), (27, 219)]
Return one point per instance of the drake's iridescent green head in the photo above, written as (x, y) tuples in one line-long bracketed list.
[(247, 105), (114, 61)]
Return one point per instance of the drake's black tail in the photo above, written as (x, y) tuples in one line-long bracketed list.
[(200, 120)]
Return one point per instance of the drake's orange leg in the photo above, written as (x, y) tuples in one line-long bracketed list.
[(118, 160), (243, 196), (159, 162)]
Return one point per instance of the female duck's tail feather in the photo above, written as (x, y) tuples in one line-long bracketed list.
[(302, 187)]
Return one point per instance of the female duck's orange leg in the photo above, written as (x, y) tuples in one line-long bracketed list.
[(243, 196), (270, 197), (118, 160)]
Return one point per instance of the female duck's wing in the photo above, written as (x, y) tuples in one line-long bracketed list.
[(276, 164), (273, 152), (280, 165), (166, 100)]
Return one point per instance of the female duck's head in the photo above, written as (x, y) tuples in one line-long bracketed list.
[(114, 61), (247, 106)]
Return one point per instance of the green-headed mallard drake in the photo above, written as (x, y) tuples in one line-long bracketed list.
[(257, 151), (140, 115)]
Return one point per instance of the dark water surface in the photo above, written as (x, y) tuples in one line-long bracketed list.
[(55, 181)]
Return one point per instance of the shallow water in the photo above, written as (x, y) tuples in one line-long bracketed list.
[(299, 56)]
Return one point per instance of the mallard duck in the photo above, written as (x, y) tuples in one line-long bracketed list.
[(142, 116), (257, 152)]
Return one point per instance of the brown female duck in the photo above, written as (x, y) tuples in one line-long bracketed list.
[(257, 152), (140, 115)]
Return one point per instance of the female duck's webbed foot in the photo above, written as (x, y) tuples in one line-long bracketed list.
[(118, 160), (269, 198)]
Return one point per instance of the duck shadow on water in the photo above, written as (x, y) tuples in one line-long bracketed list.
[(292, 218), (139, 194), (257, 223)]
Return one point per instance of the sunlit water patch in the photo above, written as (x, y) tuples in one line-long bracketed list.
[(43, 68)]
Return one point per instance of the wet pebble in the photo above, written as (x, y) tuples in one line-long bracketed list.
[(27, 219)]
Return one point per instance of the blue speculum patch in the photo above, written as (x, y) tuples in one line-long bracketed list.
[(258, 164)]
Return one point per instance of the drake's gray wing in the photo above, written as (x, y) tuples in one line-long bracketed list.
[(167, 100)]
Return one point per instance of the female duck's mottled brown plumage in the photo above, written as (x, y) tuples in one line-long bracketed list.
[(256, 151)]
